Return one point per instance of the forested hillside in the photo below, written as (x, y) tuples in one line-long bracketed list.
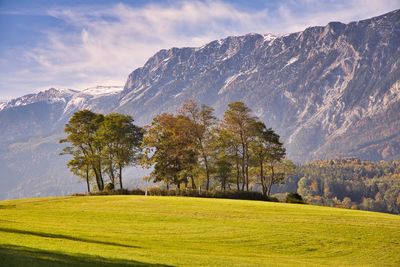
[(348, 183)]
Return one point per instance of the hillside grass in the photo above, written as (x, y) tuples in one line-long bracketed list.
[(182, 231)]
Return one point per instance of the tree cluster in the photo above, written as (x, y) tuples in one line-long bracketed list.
[(101, 145), (349, 183), (195, 150)]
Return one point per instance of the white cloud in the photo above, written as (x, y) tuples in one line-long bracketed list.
[(106, 44), (322, 12)]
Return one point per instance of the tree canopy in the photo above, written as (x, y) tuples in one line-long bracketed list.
[(101, 144), (193, 146)]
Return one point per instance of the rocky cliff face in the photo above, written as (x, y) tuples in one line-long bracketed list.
[(330, 92)]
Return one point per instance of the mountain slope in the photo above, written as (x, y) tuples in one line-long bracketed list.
[(322, 89), (31, 127), (47, 112)]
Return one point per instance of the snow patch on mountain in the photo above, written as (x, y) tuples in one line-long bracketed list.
[(71, 99), (227, 82), (3, 105), (91, 98), (51, 95), (291, 61), (269, 37), (102, 90)]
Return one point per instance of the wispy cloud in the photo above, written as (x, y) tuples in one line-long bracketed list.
[(103, 45)]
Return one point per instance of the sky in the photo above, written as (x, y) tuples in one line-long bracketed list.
[(80, 44)]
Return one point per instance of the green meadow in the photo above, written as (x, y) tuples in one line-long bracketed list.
[(182, 231)]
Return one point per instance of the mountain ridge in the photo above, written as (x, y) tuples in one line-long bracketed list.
[(321, 71)]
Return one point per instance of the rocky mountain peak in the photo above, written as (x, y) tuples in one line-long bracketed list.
[(315, 87)]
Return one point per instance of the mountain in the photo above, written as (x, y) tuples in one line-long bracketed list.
[(328, 91), (331, 91), (46, 112), (31, 127)]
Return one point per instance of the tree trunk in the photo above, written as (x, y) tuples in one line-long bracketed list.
[(120, 177), (271, 182), (112, 176), (193, 183), (97, 178), (262, 178), (207, 171), (96, 165), (100, 177), (243, 167), (237, 172), (87, 178), (247, 170)]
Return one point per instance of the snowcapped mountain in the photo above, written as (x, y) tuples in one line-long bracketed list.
[(47, 112), (101, 99), (331, 91), (50, 95), (31, 127), (71, 97)]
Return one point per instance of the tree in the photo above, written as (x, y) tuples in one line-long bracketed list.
[(100, 144), (201, 124), (277, 172), (238, 126), (82, 135), (223, 169), (225, 144), (347, 203), (184, 146), (169, 148), (122, 140), (79, 166), (267, 152)]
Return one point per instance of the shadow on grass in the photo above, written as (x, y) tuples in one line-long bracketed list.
[(4, 207), (19, 256), (67, 237)]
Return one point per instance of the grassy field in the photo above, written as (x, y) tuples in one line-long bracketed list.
[(179, 231)]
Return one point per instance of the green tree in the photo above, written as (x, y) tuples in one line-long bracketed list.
[(267, 151), (85, 145), (238, 126), (278, 171), (201, 125), (223, 169), (122, 143), (79, 166), (169, 148)]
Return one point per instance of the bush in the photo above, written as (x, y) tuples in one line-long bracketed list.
[(273, 199), (116, 192), (246, 195), (155, 191), (109, 187), (294, 198)]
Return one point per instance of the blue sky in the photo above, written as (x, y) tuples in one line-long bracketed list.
[(79, 44)]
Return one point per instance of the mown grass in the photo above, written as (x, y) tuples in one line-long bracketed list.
[(180, 231)]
